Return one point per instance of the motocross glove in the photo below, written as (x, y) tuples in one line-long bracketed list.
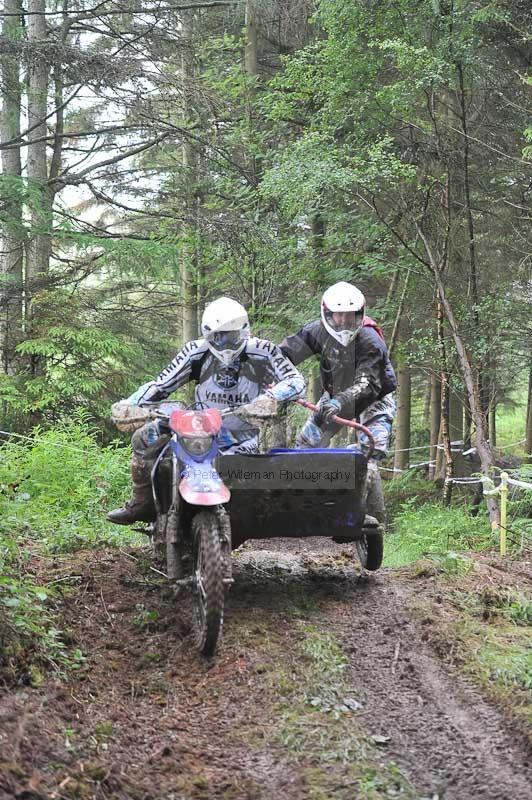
[(328, 407)]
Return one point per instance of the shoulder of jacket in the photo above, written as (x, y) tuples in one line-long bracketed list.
[(315, 327), (369, 335), (261, 347), (194, 347)]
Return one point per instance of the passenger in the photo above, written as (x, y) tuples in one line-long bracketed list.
[(357, 377)]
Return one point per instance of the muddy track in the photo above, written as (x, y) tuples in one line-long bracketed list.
[(451, 742), (144, 719)]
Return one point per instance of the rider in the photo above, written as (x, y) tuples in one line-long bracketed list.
[(230, 368), (357, 377)]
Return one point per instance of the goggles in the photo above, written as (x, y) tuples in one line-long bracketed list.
[(345, 320), (226, 340)]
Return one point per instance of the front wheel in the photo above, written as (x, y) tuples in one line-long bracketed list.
[(370, 548), (207, 581)]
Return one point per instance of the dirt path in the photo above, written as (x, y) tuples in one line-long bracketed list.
[(323, 688)]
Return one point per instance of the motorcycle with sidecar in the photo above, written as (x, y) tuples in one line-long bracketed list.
[(208, 504)]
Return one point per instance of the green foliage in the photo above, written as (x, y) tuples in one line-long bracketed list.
[(28, 633), (430, 529), (54, 491), (144, 618), (56, 488), (506, 660)]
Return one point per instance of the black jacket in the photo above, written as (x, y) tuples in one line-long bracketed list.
[(356, 375)]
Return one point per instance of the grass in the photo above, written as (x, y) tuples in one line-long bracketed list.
[(497, 655), (511, 421), (54, 491), (483, 626), (432, 530)]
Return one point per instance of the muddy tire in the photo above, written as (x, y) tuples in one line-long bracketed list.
[(370, 549), (207, 571)]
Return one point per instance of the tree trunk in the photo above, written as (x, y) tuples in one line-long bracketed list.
[(402, 420), (12, 232), (318, 239), (483, 448), (189, 328), (398, 317), (39, 243), (426, 404), (251, 50), (445, 438), (435, 420), (466, 428), (493, 426), (456, 419)]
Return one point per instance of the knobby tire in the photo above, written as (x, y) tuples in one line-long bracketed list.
[(370, 549), (209, 587)]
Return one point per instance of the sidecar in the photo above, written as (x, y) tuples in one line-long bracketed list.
[(301, 493)]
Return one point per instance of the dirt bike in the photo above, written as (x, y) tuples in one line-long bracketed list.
[(208, 503)]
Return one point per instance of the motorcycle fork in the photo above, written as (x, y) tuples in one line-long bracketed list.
[(174, 533), (224, 529)]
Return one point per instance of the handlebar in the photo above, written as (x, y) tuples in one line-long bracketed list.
[(348, 423), (156, 413)]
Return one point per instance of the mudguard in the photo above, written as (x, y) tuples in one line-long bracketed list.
[(202, 486)]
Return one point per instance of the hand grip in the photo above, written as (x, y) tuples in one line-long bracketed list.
[(348, 423)]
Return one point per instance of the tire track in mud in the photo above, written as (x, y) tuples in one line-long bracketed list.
[(452, 743), (145, 719), (438, 727)]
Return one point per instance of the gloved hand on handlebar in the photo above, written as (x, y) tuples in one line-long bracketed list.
[(264, 406), (128, 417), (328, 407)]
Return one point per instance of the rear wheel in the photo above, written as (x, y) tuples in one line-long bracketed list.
[(207, 572), (370, 548)]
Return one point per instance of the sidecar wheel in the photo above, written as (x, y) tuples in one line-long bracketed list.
[(370, 549), (208, 584)]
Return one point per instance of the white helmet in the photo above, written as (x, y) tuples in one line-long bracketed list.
[(225, 326), (347, 302)]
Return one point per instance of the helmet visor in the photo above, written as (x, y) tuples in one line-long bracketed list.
[(226, 340), (348, 321)]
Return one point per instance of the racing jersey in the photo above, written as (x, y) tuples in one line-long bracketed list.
[(260, 364)]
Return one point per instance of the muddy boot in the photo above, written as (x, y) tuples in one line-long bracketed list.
[(141, 507), (375, 495)]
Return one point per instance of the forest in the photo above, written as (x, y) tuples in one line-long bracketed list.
[(156, 155)]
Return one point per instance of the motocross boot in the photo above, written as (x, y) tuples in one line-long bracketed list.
[(141, 507), (375, 497)]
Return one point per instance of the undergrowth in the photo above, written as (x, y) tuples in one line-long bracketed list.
[(54, 491), (431, 529), (484, 628)]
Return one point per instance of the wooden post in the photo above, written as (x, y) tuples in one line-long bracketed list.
[(504, 511)]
